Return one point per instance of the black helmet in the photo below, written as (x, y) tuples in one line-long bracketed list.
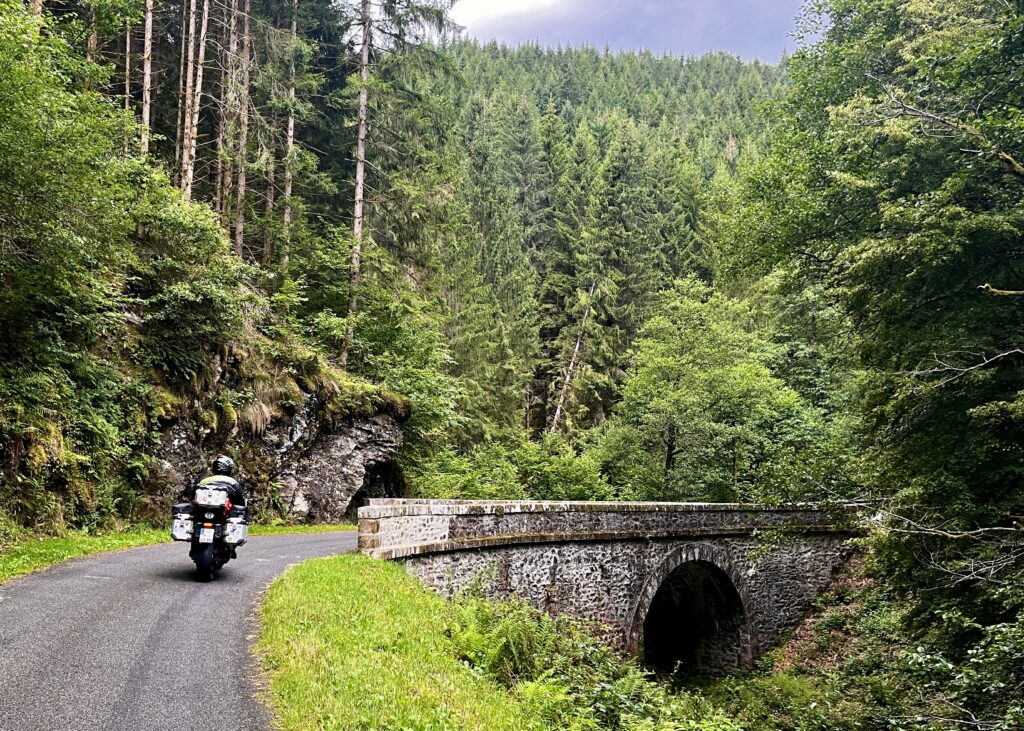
[(223, 466)]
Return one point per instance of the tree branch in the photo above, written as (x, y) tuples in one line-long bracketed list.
[(909, 110), (990, 290)]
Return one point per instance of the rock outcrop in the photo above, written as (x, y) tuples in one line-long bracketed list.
[(307, 466), (322, 483)]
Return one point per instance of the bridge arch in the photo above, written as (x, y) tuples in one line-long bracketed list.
[(693, 609)]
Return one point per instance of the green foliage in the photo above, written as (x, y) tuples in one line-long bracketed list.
[(101, 268), (892, 194), (184, 281), (124, 307), (577, 178), (515, 468), (397, 342), (702, 415), (559, 670)]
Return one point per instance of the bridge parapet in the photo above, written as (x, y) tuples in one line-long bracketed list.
[(394, 529)]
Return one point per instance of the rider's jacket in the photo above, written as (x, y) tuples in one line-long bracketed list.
[(235, 493)]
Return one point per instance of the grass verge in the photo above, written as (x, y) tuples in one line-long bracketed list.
[(276, 530), (25, 555), (352, 643)]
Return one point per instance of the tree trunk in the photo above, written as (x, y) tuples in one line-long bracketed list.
[(218, 167), (290, 140), (93, 42), (243, 133), (127, 67), (225, 126), (188, 170), (37, 7), (147, 75), (227, 193), (178, 125), (218, 159), (573, 365), (670, 460), (268, 238), (357, 218), (186, 117)]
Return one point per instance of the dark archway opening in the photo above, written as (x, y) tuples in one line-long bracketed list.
[(696, 623), (384, 479)]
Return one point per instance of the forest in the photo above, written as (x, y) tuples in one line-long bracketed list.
[(575, 273)]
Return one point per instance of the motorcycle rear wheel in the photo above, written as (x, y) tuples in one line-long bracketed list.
[(204, 562)]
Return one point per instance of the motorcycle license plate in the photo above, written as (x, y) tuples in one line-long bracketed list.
[(206, 535)]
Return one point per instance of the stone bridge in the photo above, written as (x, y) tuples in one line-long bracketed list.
[(701, 587)]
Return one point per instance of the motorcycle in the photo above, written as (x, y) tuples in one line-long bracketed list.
[(213, 526)]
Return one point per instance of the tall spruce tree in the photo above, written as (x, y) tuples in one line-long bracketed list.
[(394, 30), (554, 261)]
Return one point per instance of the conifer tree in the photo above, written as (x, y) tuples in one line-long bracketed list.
[(613, 261), (147, 76), (396, 27), (554, 262)]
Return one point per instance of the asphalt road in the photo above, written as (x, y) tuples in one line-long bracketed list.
[(131, 641)]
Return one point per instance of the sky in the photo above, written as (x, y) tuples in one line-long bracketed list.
[(749, 28)]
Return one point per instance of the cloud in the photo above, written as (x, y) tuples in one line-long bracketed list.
[(749, 28), (472, 13)]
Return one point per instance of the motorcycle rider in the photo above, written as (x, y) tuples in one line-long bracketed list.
[(222, 469)]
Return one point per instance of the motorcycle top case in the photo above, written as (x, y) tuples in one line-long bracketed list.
[(210, 497)]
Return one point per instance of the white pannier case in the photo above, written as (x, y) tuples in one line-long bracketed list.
[(235, 531), (181, 530)]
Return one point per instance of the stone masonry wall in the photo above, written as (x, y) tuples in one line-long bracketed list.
[(605, 561)]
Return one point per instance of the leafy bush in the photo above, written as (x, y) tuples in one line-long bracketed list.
[(513, 469), (704, 417), (559, 668)]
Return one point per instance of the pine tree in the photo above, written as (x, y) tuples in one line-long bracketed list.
[(193, 96), (245, 63), (554, 262), (400, 27), (289, 148)]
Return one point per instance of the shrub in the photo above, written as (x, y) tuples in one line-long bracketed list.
[(511, 469), (561, 668)]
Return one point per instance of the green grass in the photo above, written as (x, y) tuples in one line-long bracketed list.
[(25, 555), (36, 554), (352, 643), (274, 530)]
